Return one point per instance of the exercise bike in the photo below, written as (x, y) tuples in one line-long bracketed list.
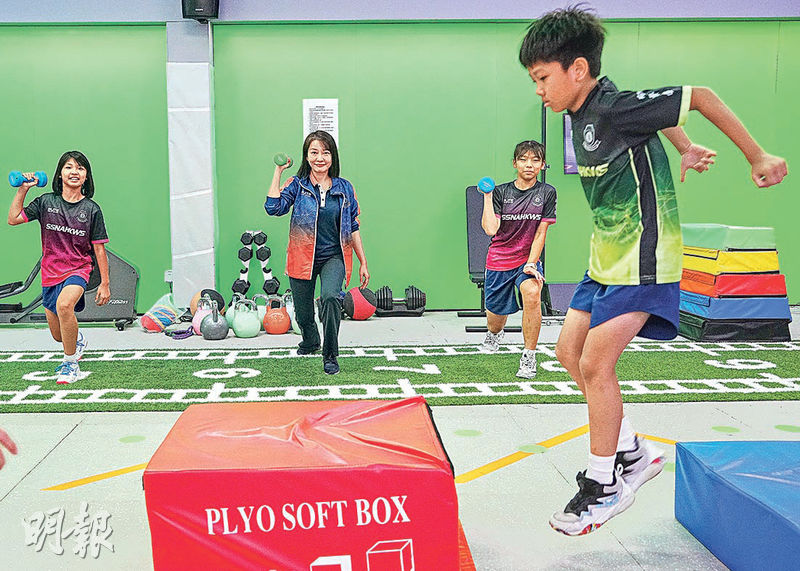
[(121, 308)]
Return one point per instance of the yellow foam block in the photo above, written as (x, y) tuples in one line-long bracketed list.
[(734, 262)]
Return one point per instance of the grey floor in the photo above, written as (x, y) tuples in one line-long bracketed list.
[(504, 513)]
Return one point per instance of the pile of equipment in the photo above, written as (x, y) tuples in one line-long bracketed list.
[(731, 287)]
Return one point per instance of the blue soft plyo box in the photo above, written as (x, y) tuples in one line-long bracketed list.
[(735, 308), (742, 501)]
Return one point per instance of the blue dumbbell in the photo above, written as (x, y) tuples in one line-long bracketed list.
[(15, 178), (486, 184)]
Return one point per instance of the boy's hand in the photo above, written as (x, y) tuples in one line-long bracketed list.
[(696, 157), (768, 170), (531, 270)]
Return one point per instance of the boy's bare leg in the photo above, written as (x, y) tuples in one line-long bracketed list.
[(65, 307), (571, 340), (494, 322), (601, 351), (531, 312)]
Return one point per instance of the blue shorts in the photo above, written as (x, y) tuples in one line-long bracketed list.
[(605, 302), (501, 289), (50, 293)]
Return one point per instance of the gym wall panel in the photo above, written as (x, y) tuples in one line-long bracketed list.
[(428, 108), (101, 90)]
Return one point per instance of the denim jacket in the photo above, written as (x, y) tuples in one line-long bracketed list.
[(303, 224)]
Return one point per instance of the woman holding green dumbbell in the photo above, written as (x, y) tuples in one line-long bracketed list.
[(73, 230), (323, 234)]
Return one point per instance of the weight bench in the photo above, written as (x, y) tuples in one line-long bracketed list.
[(477, 247)]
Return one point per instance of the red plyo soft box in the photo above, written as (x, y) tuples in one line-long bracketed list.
[(317, 486)]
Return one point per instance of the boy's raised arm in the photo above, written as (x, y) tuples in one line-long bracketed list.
[(766, 169)]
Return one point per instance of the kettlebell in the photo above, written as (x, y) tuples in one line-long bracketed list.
[(261, 307), (214, 326), (231, 312), (288, 301), (276, 320), (245, 322), (203, 309)]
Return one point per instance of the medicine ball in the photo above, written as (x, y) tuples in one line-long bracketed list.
[(213, 294), (359, 304)]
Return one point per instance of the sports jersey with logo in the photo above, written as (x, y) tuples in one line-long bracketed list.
[(627, 181), (520, 212), (68, 232)]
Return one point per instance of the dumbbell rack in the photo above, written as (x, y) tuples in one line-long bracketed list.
[(255, 240)]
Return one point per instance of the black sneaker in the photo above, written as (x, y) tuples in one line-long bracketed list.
[(307, 350), (593, 505), (641, 464), (330, 365)]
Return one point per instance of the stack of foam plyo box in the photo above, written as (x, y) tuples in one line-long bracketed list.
[(732, 288)]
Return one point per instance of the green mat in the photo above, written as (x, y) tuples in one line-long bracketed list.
[(721, 237), (172, 380)]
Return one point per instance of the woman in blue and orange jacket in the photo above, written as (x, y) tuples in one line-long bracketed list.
[(323, 234)]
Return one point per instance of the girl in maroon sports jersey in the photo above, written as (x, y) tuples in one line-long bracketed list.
[(73, 232)]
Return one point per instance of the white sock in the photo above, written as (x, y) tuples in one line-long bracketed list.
[(70, 358), (601, 468), (529, 352), (627, 436)]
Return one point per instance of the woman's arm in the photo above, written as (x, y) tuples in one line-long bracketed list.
[(536, 251), (280, 206), (15, 210), (358, 247), (104, 289)]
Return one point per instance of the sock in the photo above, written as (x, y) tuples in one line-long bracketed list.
[(627, 436), (70, 358), (601, 468), (529, 352)]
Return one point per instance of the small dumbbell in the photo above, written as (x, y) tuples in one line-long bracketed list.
[(245, 254), (415, 298), (241, 285), (263, 253), (486, 185), (281, 159), (260, 238), (16, 178), (271, 283)]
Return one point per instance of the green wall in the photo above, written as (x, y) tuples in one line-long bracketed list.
[(101, 90), (428, 108)]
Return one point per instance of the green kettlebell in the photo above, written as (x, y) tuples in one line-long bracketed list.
[(231, 312), (214, 326), (245, 323), (261, 308), (288, 301)]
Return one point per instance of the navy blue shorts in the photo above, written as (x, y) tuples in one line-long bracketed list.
[(501, 289), (50, 293), (605, 302)]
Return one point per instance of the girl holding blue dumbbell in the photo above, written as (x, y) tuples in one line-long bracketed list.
[(516, 215), (73, 233)]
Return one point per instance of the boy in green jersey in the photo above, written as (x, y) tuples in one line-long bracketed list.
[(631, 287)]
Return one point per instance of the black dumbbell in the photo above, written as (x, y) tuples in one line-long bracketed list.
[(271, 284), (247, 238), (245, 253), (260, 238), (241, 285), (415, 298), (263, 253)]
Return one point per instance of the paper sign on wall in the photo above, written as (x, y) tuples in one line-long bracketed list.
[(321, 115)]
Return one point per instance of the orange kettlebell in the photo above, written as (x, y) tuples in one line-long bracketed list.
[(276, 320)]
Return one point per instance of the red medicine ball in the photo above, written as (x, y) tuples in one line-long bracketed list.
[(359, 304)]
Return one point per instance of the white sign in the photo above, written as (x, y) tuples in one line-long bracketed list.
[(321, 115)]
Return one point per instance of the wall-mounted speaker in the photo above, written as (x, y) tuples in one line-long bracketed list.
[(201, 10)]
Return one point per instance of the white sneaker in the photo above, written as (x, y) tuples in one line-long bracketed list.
[(68, 372), (80, 346), (527, 364), (593, 505), (641, 464), (491, 342)]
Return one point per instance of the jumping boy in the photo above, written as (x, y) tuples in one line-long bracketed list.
[(72, 229), (631, 287), (516, 214)]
